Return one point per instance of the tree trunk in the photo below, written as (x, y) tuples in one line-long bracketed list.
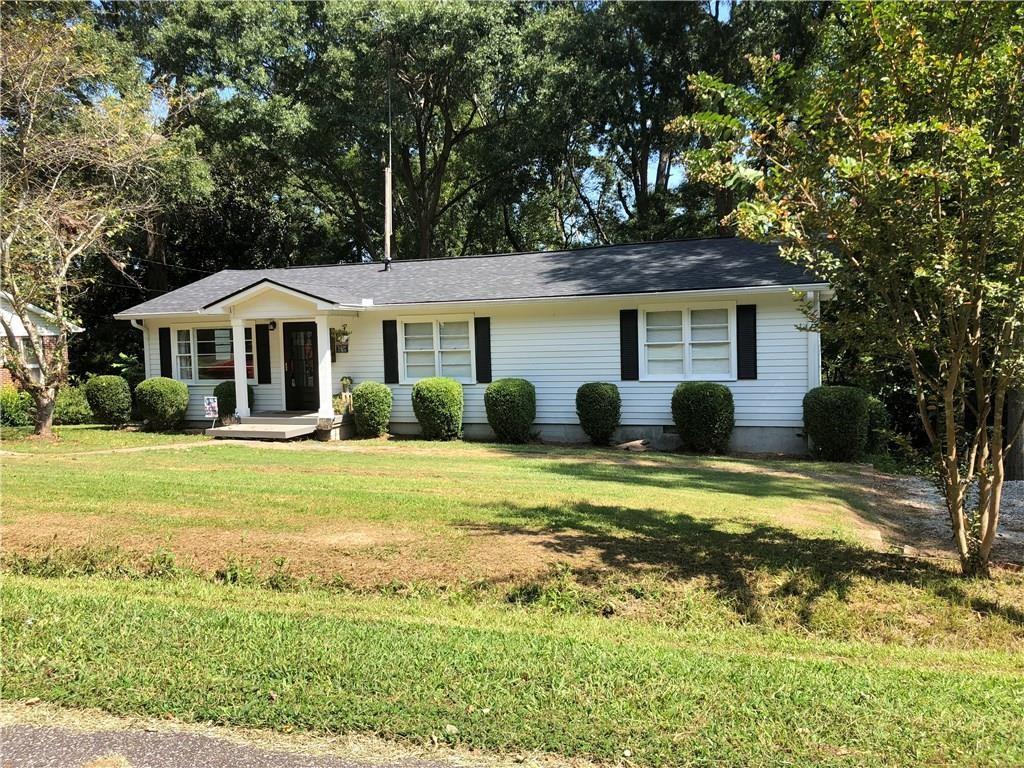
[(1015, 457), (45, 400)]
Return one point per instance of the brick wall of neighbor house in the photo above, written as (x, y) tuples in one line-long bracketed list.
[(7, 378)]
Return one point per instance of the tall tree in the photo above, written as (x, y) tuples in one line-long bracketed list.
[(898, 176), (79, 153)]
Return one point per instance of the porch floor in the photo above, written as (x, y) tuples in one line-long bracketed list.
[(258, 431)]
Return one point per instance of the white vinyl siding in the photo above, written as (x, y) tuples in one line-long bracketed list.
[(560, 345)]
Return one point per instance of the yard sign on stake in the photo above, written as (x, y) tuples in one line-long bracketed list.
[(210, 408)]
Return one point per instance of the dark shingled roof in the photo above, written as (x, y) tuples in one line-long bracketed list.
[(680, 265)]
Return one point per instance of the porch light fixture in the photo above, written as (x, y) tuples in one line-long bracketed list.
[(272, 325)]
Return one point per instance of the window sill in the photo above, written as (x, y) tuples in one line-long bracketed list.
[(412, 382), (682, 379)]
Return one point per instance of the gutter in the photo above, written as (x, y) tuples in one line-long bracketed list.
[(369, 306)]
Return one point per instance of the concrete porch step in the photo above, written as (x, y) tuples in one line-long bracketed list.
[(249, 431), (303, 418)]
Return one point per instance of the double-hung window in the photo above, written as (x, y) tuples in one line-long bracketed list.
[(436, 348), (689, 343), (208, 354)]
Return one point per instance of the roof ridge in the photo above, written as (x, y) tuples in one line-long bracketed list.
[(518, 253)]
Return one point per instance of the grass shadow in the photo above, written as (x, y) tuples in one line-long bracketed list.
[(681, 547)]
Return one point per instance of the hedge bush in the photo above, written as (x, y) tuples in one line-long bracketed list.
[(110, 399), (599, 408), (836, 421), (162, 402), (371, 406), (72, 407), (225, 394), (878, 427), (703, 413), (511, 406), (437, 403), (15, 407)]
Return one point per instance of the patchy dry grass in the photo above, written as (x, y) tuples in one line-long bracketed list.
[(571, 601), (656, 538)]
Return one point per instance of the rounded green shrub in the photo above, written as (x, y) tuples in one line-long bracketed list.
[(836, 421), (72, 407), (878, 427), (703, 413), (15, 407), (437, 403), (110, 399), (511, 406), (371, 406), (599, 408), (226, 402), (162, 402)]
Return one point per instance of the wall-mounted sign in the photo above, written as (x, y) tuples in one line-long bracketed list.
[(339, 340)]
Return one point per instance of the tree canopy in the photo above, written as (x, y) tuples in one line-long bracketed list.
[(895, 174)]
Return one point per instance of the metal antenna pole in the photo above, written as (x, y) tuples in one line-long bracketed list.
[(387, 182)]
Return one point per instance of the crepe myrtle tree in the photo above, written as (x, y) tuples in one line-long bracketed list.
[(897, 174), (79, 156)]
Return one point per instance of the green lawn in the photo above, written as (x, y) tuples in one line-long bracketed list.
[(506, 679), (577, 601), (88, 438)]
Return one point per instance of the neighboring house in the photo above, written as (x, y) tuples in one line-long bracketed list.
[(644, 316), (44, 323)]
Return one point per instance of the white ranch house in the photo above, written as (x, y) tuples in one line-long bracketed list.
[(643, 316)]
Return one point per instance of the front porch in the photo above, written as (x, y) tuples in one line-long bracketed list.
[(286, 425)]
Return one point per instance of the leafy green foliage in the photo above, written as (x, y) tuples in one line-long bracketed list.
[(511, 406), (437, 403), (371, 405), (897, 175), (879, 425), (110, 399), (599, 408), (703, 413), (836, 420), (15, 407), (226, 402), (162, 402), (72, 407)]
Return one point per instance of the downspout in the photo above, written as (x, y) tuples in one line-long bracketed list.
[(140, 325)]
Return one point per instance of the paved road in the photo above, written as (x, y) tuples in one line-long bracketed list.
[(38, 746)]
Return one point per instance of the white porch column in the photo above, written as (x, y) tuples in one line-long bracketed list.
[(324, 378), (241, 384)]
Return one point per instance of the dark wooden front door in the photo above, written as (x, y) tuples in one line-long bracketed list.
[(300, 367)]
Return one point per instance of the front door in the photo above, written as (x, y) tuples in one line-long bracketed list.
[(300, 367)]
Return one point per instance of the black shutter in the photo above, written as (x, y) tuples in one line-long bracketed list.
[(263, 354), (482, 331), (390, 328), (165, 353), (629, 345), (746, 341)]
